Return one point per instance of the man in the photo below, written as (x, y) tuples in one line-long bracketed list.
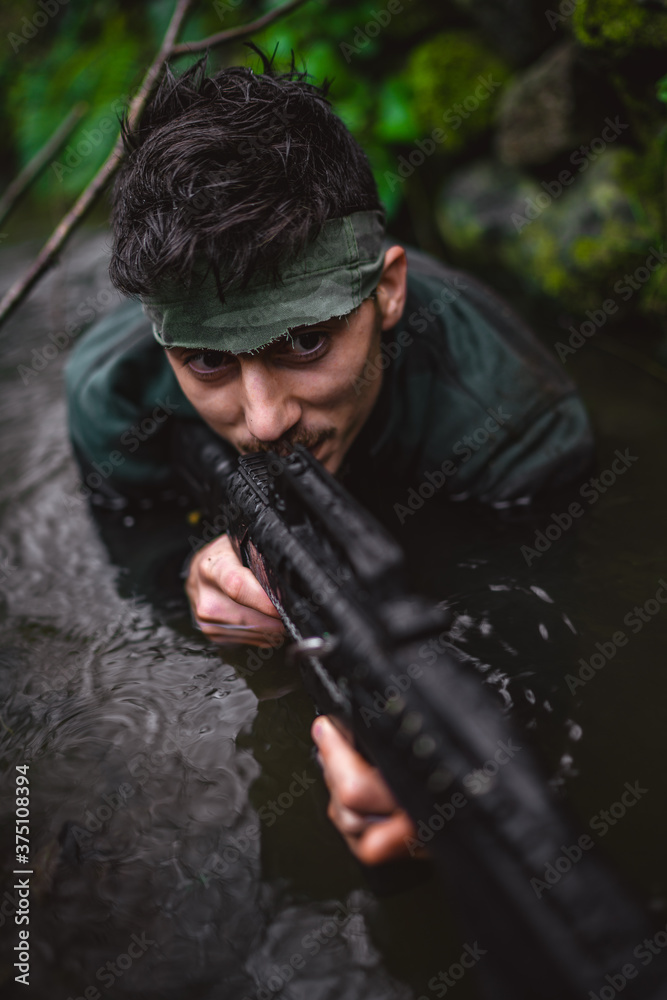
[(247, 223)]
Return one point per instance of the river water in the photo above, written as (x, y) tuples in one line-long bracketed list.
[(178, 835)]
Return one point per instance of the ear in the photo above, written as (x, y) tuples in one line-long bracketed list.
[(392, 287)]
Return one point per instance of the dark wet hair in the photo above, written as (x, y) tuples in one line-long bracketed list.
[(239, 169)]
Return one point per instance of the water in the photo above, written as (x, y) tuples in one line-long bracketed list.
[(178, 830)]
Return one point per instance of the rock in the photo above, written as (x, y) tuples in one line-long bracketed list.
[(618, 26), (535, 116), (571, 241), (575, 244), (476, 204)]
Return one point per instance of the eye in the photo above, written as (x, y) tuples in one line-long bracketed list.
[(306, 345), (208, 362)]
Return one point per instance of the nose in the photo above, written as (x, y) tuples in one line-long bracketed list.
[(270, 409)]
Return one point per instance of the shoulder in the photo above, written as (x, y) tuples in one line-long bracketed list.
[(122, 395), (484, 399)]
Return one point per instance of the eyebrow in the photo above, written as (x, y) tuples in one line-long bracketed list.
[(331, 324)]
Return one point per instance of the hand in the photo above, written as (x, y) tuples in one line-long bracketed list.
[(227, 601), (361, 807)]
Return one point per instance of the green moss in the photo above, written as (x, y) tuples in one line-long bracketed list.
[(583, 243), (619, 25), (455, 81)]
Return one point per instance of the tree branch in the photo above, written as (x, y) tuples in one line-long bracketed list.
[(49, 252), (47, 256), (234, 34), (31, 170)]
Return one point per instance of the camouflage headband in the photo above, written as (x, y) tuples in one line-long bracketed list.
[(331, 277)]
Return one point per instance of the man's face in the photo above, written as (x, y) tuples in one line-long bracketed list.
[(305, 388)]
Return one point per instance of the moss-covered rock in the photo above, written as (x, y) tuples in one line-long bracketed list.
[(476, 205), (577, 246), (575, 242), (619, 25), (535, 117), (456, 81)]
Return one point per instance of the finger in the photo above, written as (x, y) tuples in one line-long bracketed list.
[(241, 586), (389, 840), (213, 610), (217, 569), (375, 841), (351, 780), (245, 635), (349, 822)]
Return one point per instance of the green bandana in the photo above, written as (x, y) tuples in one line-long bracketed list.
[(332, 276)]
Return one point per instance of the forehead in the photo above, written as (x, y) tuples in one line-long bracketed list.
[(332, 326)]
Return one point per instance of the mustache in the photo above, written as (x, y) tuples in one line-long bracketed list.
[(285, 445)]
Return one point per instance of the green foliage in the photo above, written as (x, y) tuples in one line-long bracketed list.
[(662, 90), (396, 76), (103, 73), (446, 76), (619, 25), (368, 91)]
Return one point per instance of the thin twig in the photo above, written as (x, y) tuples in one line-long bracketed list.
[(22, 182), (152, 77), (234, 34), (47, 255)]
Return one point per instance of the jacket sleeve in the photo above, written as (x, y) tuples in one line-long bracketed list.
[(122, 399), (476, 398)]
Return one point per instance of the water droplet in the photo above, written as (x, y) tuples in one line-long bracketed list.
[(542, 594)]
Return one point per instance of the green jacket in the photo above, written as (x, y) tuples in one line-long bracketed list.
[(471, 404)]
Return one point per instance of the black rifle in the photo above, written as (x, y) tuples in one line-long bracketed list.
[(335, 576)]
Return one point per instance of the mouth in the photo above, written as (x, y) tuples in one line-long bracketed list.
[(314, 443)]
